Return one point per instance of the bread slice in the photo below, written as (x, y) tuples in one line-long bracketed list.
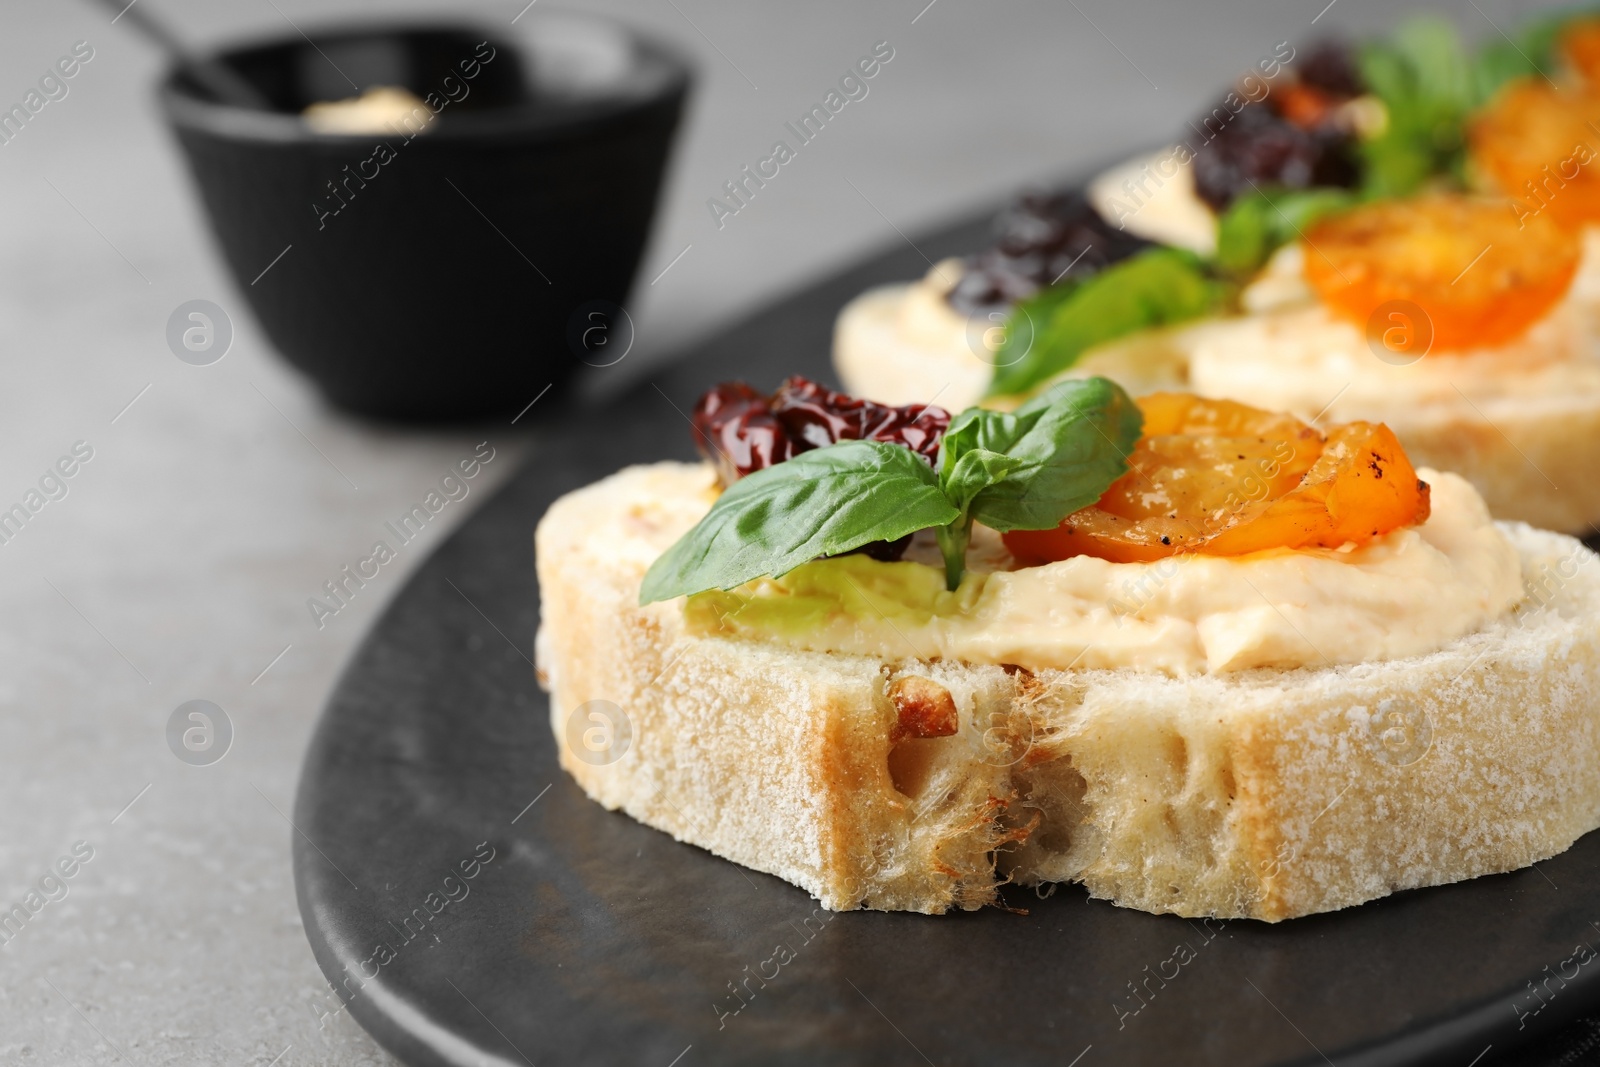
[(922, 786)]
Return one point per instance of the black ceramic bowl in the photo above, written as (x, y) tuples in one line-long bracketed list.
[(436, 276)]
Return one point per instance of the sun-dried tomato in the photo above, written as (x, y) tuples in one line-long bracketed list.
[(1293, 137), (1330, 66), (815, 416), (741, 430), (1041, 239), (736, 430), (1260, 147)]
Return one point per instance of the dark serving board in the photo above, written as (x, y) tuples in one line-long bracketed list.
[(588, 938)]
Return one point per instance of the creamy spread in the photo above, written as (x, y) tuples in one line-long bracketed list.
[(1154, 197), (905, 344), (380, 109), (1407, 593)]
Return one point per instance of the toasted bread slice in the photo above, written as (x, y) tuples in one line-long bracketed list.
[(922, 786)]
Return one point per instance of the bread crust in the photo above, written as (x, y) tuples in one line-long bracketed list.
[(1265, 794)]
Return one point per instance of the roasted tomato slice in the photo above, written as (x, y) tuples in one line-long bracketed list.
[(1361, 487), (1577, 47), (1480, 275), (1219, 478), (1580, 47), (1536, 144), (1199, 464)]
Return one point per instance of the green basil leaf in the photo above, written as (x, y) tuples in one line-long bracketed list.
[(1025, 321), (1501, 61), (1062, 450), (820, 503), (973, 472), (1529, 52), (1260, 222), (1428, 84), (1047, 333)]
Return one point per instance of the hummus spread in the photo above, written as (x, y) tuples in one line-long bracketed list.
[(1407, 593)]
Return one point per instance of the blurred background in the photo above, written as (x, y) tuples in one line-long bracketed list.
[(219, 498)]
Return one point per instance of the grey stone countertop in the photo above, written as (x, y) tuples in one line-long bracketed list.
[(214, 501)]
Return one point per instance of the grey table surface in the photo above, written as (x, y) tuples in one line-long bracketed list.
[(218, 499)]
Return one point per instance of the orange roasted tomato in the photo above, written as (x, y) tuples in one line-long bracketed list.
[(1478, 274), (1219, 478), (1537, 145), (1579, 46)]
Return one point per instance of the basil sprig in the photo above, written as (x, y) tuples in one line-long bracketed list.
[(1021, 470), (1424, 76), (1430, 83), (1028, 469)]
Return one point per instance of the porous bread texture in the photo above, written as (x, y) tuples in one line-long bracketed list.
[(1265, 794)]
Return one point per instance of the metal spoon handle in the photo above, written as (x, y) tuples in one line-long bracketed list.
[(222, 82)]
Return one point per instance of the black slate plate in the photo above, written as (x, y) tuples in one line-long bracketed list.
[(590, 939)]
